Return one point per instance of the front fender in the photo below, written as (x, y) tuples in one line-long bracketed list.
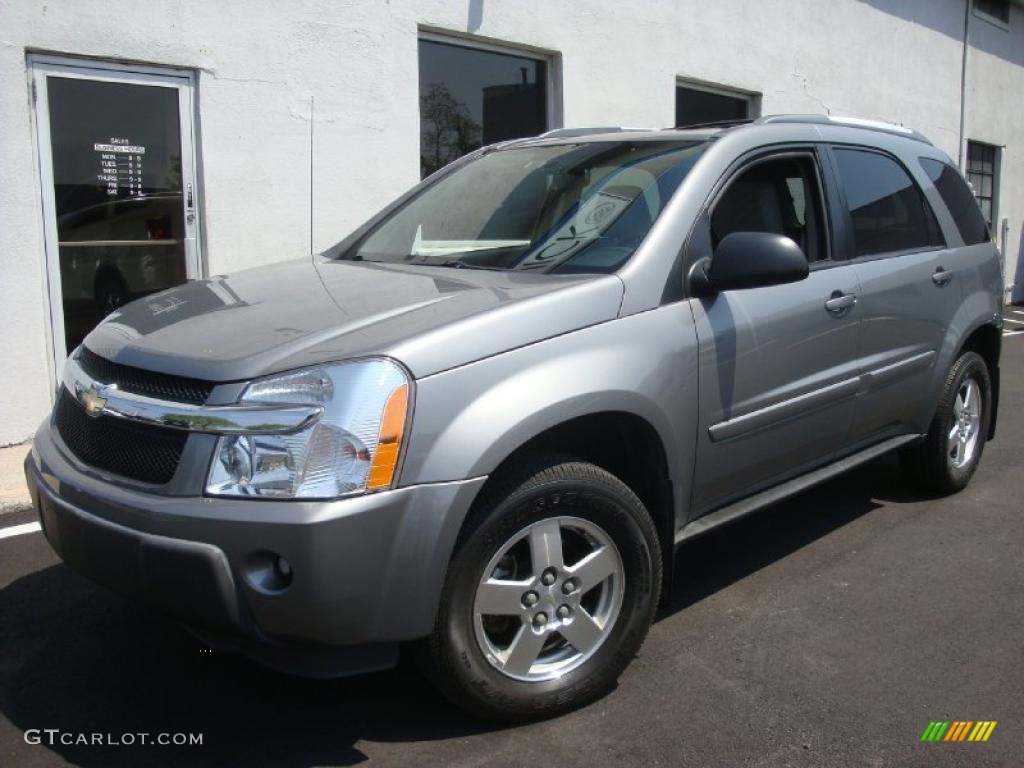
[(469, 419)]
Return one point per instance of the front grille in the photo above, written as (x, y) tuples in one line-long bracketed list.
[(160, 385), (137, 451)]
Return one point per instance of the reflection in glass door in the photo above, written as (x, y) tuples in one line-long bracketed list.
[(117, 170)]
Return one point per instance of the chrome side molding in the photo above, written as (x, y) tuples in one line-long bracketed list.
[(103, 398)]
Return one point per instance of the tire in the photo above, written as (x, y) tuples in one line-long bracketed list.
[(936, 465), (589, 509)]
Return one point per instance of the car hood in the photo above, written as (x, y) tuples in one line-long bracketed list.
[(287, 315)]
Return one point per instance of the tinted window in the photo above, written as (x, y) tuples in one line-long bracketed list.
[(958, 199), (470, 98), (888, 211), (779, 196)]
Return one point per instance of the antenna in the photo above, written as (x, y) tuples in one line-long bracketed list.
[(311, 121)]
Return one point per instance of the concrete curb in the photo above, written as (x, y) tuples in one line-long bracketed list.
[(13, 491)]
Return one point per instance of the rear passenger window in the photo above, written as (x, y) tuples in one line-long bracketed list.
[(958, 199), (888, 210)]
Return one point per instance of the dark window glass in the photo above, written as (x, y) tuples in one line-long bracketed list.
[(470, 98), (958, 199), (558, 208), (888, 211), (694, 107), (981, 173), (780, 196), (997, 9), (117, 188)]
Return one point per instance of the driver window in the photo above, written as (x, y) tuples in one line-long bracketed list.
[(779, 195)]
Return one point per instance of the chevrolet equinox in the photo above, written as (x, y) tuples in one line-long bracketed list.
[(484, 421)]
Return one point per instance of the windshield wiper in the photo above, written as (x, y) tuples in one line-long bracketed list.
[(460, 264)]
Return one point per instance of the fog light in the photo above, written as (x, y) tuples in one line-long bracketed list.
[(267, 572), (284, 567)]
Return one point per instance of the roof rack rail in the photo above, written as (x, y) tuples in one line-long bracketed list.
[(849, 122), (566, 133), (714, 124)]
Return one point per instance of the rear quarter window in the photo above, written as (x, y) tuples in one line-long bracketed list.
[(959, 199), (888, 210)]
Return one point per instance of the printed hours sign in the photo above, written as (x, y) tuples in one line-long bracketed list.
[(120, 166)]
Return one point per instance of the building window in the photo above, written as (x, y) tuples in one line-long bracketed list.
[(982, 173), (697, 104), (994, 9), (471, 97)]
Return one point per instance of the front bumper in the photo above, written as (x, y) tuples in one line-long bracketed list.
[(367, 572)]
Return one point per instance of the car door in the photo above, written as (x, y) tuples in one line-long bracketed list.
[(909, 288), (777, 365)]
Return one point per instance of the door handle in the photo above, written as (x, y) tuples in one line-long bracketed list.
[(942, 276), (839, 303)]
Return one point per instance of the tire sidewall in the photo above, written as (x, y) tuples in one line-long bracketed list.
[(617, 517)]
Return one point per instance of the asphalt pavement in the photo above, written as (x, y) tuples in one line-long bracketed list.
[(827, 631)]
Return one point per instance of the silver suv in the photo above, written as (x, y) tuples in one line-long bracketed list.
[(485, 420)]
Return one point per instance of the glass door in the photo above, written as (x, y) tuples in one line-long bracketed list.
[(117, 170)]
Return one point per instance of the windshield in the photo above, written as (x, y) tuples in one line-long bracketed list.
[(559, 208)]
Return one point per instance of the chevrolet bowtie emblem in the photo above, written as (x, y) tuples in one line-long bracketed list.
[(93, 401)]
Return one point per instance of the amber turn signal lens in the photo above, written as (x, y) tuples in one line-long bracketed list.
[(385, 458)]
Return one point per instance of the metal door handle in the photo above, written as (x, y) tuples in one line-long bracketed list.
[(840, 302), (942, 276)]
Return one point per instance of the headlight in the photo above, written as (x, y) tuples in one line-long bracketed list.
[(353, 446)]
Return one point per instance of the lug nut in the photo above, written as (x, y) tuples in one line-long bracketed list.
[(548, 577), (568, 586), (564, 611), (530, 598), (540, 620)]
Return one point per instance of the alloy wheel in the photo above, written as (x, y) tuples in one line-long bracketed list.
[(962, 441), (548, 599)]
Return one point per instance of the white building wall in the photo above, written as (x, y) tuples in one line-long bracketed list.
[(259, 63)]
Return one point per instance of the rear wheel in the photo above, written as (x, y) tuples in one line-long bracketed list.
[(550, 594), (946, 460)]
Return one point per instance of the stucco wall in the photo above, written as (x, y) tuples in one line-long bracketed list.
[(897, 60)]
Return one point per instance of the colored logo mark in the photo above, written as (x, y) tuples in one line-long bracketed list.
[(959, 730)]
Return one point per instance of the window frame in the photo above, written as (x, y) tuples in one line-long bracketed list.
[(997, 161), (993, 20), (752, 98), (697, 244), (844, 207), (553, 117)]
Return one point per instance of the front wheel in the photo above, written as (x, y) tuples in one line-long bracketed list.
[(550, 593), (946, 460)]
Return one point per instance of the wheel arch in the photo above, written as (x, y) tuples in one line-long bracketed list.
[(621, 442), (987, 341)]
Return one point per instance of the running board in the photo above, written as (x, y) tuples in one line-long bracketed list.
[(777, 493)]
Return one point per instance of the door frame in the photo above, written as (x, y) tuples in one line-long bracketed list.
[(41, 66)]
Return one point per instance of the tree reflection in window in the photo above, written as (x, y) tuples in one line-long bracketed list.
[(470, 97), (447, 130)]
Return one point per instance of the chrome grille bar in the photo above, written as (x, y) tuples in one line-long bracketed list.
[(105, 399)]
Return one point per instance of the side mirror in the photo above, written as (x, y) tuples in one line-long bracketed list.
[(749, 260)]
